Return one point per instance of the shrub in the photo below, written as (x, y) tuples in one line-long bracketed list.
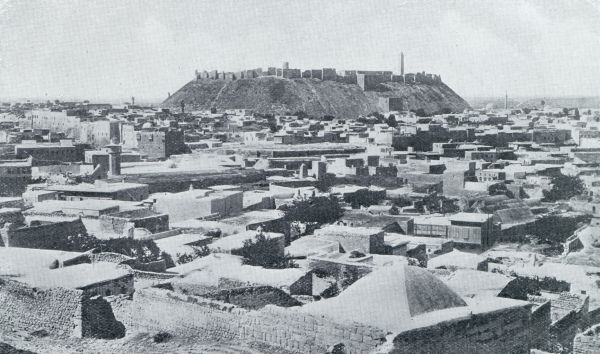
[(162, 337), (564, 187), (317, 210), (197, 252), (260, 252)]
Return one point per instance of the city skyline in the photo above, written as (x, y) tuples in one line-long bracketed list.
[(479, 48)]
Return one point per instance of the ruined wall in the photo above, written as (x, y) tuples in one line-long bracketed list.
[(56, 310), (503, 331)]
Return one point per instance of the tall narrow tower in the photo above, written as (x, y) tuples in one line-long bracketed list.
[(401, 63), (506, 100)]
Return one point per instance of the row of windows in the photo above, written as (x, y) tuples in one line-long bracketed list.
[(16, 170)]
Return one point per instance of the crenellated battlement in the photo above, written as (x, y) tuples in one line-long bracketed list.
[(366, 79)]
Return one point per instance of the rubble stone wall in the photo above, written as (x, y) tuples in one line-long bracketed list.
[(587, 342), (503, 331), (159, 310), (56, 310)]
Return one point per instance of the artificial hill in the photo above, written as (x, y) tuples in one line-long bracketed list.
[(271, 94)]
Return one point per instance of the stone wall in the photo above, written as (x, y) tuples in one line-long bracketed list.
[(540, 324), (203, 319), (503, 331), (56, 310), (47, 236), (587, 342), (59, 311)]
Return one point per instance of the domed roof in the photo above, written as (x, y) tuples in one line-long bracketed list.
[(147, 125), (393, 298)]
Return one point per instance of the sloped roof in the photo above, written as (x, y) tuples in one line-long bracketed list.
[(393, 298), (514, 216)]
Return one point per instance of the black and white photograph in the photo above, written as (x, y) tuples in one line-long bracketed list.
[(300, 176)]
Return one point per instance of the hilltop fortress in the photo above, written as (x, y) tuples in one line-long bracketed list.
[(317, 92), (368, 80)]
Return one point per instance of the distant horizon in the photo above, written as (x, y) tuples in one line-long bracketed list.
[(110, 49), (157, 102)]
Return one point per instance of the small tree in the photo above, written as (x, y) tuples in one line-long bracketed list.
[(326, 182), (391, 121), (318, 210), (363, 198), (261, 252), (564, 187)]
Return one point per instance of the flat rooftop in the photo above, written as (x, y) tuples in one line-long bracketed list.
[(97, 188)]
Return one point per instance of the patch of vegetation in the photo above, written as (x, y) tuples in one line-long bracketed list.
[(197, 252), (142, 250), (555, 229), (563, 188), (162, 337), (314, 211), (262, 252)]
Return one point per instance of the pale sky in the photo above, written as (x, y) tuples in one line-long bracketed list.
[(112, 50)]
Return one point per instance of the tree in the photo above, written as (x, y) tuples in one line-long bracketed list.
[(273, 126), (420, 112), (314, 212), (452, 120), (553, 229), (142, 250), (301, 114), (391, 121), (363, 198), (564, 187), (260, 252), (326, 182)]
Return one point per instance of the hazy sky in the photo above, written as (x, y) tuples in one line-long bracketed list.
[(116, 49)]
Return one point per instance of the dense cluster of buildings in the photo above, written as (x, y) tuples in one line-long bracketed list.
[(425, 255)]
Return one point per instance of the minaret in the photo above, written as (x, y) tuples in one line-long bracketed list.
[(401, 63), (506, 100), (114, 158)]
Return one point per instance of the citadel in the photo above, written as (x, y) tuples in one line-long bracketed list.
[(368, 80)]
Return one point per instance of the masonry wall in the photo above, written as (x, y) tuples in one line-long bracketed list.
[(587, 342), (43, 236), (540, 325), (161, 310), (56, 310), (503, 331)]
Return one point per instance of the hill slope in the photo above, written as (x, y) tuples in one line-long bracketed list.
[(273, 94)]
